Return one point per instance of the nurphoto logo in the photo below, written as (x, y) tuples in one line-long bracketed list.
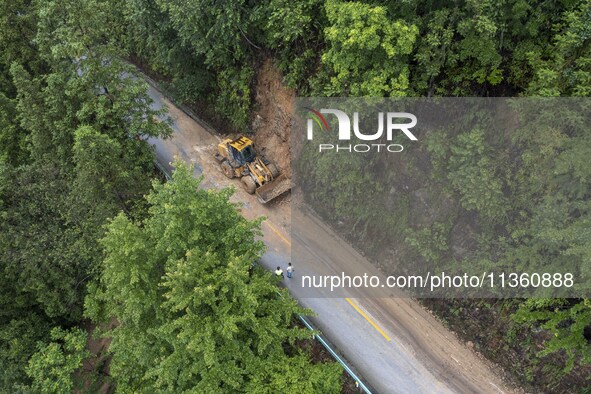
[(393, 124)]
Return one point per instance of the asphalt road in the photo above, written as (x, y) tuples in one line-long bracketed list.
[(394, 343)]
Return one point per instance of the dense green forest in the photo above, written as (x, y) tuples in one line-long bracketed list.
[(78, 239), (476, 197), (85, 234)]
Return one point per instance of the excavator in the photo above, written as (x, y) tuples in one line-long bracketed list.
[(238, 159)]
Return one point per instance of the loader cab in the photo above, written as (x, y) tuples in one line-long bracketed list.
[(242, 150)]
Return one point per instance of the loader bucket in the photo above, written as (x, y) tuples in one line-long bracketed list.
[(273, 189)]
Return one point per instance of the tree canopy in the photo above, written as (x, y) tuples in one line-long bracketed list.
[(192, 311), (174, 270)]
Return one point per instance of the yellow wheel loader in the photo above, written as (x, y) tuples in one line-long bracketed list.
[(238, 159)]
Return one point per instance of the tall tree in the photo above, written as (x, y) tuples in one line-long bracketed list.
[(367, 50), (564, 66), (52, 367), (18, 28), (217, 31), (73, 154), (569, 322), (191, 312)]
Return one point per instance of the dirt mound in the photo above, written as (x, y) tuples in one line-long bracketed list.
[(273, 117)]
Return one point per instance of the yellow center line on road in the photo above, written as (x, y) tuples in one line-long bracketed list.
[(368, 319), (276, 231), (287, 241)]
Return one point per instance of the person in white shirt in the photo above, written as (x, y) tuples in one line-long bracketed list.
[(289, 270)]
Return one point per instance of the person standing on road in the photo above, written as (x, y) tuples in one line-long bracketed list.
[(289, 270), (279, 272)]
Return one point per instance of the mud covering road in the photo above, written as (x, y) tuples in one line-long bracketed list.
[(395, 344)]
